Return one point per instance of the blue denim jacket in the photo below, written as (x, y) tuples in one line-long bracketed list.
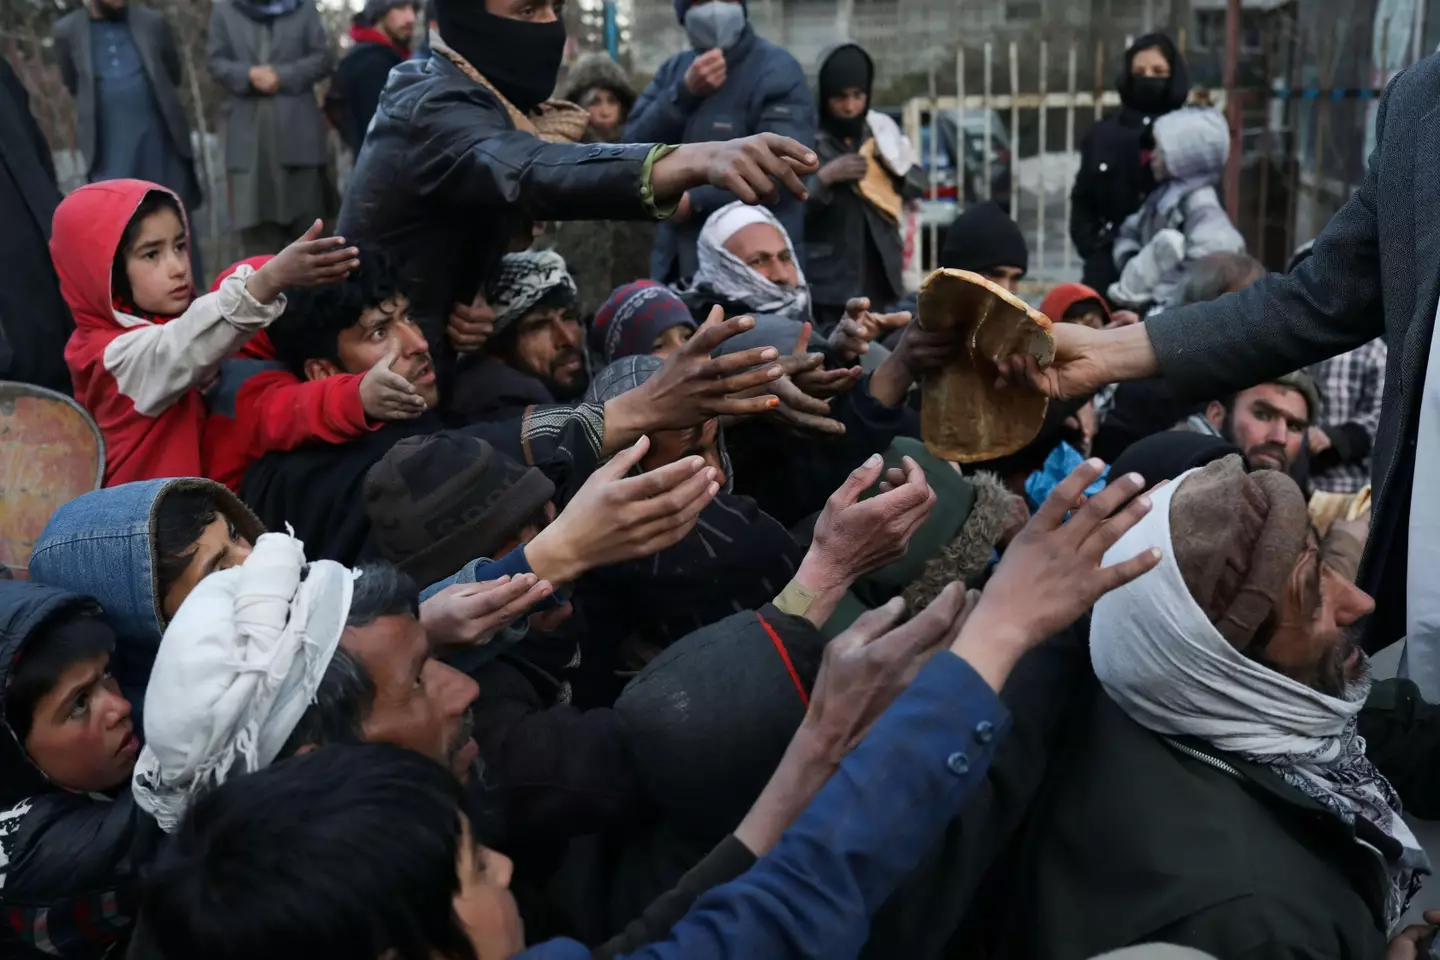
[(813, 895)]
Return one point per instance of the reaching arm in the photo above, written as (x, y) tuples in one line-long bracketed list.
[(548, 181), (300, 76), (788, 110), (154, 364), (660, 115)]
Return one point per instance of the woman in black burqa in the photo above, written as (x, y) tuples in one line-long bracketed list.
[(1115, 177)]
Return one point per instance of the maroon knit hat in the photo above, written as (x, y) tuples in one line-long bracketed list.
[(633, 316)]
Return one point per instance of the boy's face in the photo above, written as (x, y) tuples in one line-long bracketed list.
[(670, 341), (380, 330), (1007, 277), (82, 736), (158, 266), (219, 547), (604, 109), (848, 103)]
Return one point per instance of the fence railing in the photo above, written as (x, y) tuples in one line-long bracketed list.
[(979, 113)]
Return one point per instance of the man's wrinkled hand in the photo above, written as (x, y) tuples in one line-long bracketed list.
[(615, 517), (693, 386), (1051, 572), (853, 536), (869, 665), (466, 614)]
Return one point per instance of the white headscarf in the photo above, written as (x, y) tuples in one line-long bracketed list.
[(1163, 662), (730, 277), (236, 669)]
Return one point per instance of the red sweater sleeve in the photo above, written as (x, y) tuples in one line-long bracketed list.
[(278, 411)]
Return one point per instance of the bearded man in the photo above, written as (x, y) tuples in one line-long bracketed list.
[(1215, 793)]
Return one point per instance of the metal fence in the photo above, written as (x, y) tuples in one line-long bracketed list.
[(1040, 182)]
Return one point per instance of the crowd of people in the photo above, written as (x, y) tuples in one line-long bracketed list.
[(548, 561)]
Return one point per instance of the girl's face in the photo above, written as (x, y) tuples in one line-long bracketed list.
[(604, 110), (158, 265)]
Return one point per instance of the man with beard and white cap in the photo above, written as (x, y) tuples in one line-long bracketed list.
[(1214, 793), (278, 655)]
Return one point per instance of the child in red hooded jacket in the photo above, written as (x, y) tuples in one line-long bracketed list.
[(143, 346), (257, 405)]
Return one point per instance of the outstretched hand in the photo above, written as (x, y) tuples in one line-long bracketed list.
[(1051, 572), (854, 536), (311, 261), (1085, 360), (693, 387), (798, 408), (466, 614), (816, 380), (385, 395), (869, 665), (615, 517), (752, 168)]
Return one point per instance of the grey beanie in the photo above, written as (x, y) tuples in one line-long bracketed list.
[(376, 9)]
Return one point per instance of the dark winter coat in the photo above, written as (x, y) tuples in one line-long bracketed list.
[(1140, 838), (602, 254), (355, 89), (34, 321), (69, 862), (765, 91), (851, 249), (446, 182), (1114, 180)]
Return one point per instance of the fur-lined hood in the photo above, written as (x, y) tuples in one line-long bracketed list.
[(597, 70)]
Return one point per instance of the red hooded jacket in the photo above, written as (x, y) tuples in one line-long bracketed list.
[(138, 377), (258, 406)]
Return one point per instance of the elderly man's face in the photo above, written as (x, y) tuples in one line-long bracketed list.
[(1315, 639), (763, 249), (420, 703), (1267, 422)]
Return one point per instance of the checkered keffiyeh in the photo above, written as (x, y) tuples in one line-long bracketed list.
[(525, 280), (1351, 386)]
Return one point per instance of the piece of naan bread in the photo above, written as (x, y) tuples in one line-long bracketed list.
[(964, 417)]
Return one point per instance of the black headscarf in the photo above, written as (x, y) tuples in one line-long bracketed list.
[(1166, 455), (846, 66), (1152, 96), (983, 238)]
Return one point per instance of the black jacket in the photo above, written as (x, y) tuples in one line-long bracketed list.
[(35, 323), (446, 182), (851, 250), (67, 860), (1144, 839), (355, 89), (1112, 181)]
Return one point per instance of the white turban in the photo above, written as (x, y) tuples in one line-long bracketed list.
[(237, 668)]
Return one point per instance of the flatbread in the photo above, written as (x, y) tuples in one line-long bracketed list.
[(964, 417)]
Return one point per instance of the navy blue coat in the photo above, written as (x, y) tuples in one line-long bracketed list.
[(765, 92)]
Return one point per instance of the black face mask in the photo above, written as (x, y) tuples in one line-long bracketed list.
[(1150, 94), (521, 59), (852, 129)]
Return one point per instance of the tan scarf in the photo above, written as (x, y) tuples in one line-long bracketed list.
[(558, 121)]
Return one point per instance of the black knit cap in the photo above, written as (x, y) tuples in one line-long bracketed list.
[(983, 238), (438, 501)]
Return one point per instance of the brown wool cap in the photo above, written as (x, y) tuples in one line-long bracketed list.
[(1236, 538)]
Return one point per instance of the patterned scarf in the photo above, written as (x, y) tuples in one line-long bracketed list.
[(1167, 666), (525, 280), (724, 274)]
